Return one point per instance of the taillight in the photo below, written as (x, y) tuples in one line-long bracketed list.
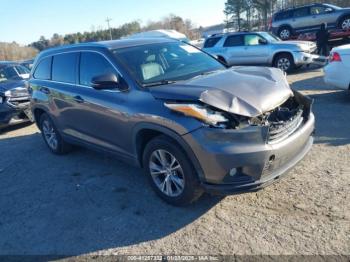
[(335, 57)]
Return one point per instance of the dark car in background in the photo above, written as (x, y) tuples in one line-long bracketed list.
[(193, 124), (14, 96), (308, 18)]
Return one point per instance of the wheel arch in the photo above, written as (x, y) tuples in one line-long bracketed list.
[(278, 53), (145, 132), (340, 18)]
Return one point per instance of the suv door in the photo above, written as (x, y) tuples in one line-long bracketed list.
[(322, 14), (301, 19), (256, 49), (234, 50), (98, 114)]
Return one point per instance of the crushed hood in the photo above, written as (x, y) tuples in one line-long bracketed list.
[(246, 91)]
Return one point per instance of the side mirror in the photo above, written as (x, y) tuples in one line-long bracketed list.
[(106, 81), (263, 42), (328, 10)]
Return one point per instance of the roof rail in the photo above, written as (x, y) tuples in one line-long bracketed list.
[(297, 6)]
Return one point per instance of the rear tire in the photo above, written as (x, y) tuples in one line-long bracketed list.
[(170, 172), (52, 137), (285, 62), (285, 33)]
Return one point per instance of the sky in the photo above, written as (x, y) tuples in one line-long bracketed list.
[(24, 21)]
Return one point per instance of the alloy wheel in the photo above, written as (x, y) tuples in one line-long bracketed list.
[(283, 64), (285, 34), (49, 134), (167, 173), (346, 24)]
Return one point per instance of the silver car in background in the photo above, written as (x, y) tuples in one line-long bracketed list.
[(308, 18), (260, 48)]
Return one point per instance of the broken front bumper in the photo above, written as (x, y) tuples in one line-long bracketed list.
[(241, 160), (14, 111)]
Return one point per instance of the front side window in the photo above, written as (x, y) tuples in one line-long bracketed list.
[(92, 65), (64, 67), (162, 62), (318, 10), (234, 40), (301, 12), (251, 40), (43, 70)]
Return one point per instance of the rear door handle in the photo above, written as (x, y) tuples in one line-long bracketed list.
[(79, 99)]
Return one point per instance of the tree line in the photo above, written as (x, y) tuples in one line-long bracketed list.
[(255, 14), (169, 22)]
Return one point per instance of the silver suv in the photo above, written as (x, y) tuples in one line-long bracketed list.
[(308, 18), (191, 123), (260, 48)]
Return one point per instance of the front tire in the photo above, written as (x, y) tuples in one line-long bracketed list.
[(285, 62), (170, 172), (345, 23), (52, 137)]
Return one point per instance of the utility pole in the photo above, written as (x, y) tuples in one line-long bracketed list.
[(109, 27)]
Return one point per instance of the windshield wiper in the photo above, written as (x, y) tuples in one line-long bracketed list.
[(159, 83)]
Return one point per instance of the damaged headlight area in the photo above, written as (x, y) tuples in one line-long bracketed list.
[(200, 112), (281, 121)]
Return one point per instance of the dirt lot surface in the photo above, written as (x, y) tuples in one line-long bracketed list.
[(86, 202)]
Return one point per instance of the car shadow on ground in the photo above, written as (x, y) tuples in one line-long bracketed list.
[(5, 130), (331, 107), (79, 203)]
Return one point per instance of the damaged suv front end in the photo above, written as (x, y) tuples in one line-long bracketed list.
[(255, 128), (14, 95)]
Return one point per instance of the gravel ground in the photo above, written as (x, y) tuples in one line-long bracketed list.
[(86, 202)]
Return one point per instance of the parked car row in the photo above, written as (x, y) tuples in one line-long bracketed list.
[(192, 123), (14, 96)]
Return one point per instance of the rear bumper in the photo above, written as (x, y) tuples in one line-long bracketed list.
[(241, 160), (335, 74)]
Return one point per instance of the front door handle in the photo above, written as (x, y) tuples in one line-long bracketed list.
[(79, 99)]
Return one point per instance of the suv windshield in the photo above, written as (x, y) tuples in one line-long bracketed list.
[(332, 6), (165, 62), (269, 37)]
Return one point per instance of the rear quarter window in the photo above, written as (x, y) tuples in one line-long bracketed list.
[(283, 15), (43, 70), (211, 42), (64, 67)]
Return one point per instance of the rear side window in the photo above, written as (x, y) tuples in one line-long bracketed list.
[(210, 42), (234, 40), (283, 16), (92, 65), (43, 70), (301, 12), (64, 67)]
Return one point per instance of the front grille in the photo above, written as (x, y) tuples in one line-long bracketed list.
[(279, 131), (18, 102)]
